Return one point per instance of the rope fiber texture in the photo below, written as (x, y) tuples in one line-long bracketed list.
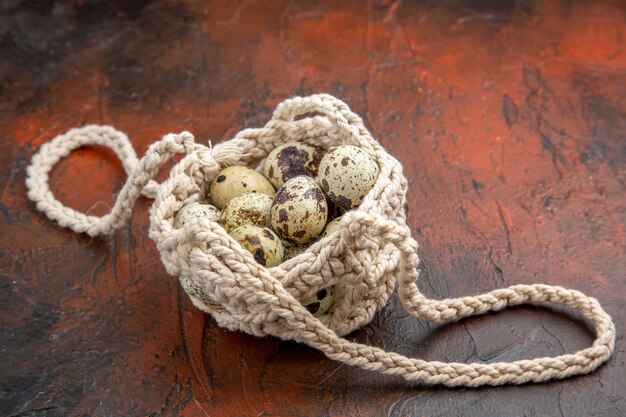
[(371, 252)]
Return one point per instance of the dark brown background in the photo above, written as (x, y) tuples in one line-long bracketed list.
[(509, 117)]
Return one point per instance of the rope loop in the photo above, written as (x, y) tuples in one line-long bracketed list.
[(139, 172), (362, 261)]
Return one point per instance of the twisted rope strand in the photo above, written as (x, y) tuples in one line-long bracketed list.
[(372, 249), (140, 175)]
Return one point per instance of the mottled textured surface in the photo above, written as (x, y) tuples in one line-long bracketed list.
[(299, 210), (347, 174), (253, 208), (292, 160), (509, 117), (194, 210), (236, 181)]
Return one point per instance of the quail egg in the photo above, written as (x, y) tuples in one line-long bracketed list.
[(346, 174), (299, 210), (253, 208), (334, 210), (331, 227), (261, 242), (234, 181), (293, 249), (195, 290), (292, 160), (193, 210), (321, 302)]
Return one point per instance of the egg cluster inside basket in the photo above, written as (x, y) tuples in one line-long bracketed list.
[(211, 265)]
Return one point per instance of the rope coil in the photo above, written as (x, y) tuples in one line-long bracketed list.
[(372, 250)]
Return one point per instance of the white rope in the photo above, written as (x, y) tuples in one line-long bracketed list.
[(372, 250)]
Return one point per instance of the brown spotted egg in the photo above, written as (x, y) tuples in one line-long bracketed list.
[(299, 210), (294, 249), (237, 180), (333, 209), (346, 174), (321, 302), (261, 242), (193, 210), (331, 227), (195, 290), (292, 160), (253, 208)]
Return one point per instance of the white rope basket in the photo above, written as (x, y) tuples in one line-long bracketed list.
[(371, 251)]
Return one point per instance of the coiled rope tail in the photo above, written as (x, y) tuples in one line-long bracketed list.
[(372, 250)]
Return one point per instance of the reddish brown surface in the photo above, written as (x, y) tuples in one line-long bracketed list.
[(509, 117)]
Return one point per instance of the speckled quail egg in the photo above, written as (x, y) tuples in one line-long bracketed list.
[(195, 290), (321, 302), (253, 208), (294, 249), (333, 209), (292, 160), (234, 181), (193, 210), (299, 210), (331, 227), (261, 242), (346, 174)]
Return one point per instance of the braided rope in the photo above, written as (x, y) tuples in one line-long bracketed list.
[(372, 250)]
